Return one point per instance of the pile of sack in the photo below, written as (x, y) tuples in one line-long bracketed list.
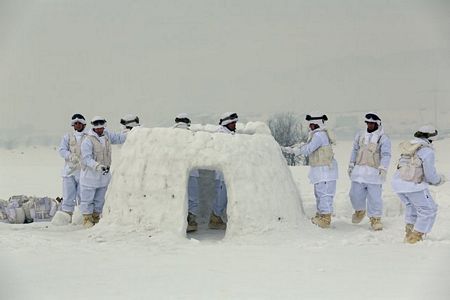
[(24, 209)]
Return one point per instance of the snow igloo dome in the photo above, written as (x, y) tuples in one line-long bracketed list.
[(150, 179)]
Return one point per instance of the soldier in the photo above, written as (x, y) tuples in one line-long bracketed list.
[(324, 169), (369, 162), (415, 171), (182, 121), (227, 125), (70, 150), (95, 173)]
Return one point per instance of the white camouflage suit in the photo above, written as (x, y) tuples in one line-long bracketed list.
[(96, 150), (371, 153), (322, 176), (70, 150), (420, 208), (193, 190)]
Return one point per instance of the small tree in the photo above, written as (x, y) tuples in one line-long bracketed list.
[(287, 129)]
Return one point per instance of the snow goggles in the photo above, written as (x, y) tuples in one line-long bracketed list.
[(230, 117), (126, 122), (182, 120), (372, 117), (311, 118), (98, 122)]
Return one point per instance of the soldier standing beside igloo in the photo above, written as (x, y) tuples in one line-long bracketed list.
[(324, 169), (70, 150), (227, 125), (95, 172), (182, 121)]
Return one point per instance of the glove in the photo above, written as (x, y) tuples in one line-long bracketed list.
[(74, 159), (382, 173), (101, 168), (287, 150), (443, 179), (350, 169)]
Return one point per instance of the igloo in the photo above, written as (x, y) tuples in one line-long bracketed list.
[(149, 185)]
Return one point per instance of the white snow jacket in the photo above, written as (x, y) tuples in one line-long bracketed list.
[(89, 175), (224, 129), (70, 148), (370, 152), (318, 138), (430, 176)]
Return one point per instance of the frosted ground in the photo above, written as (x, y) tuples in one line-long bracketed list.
[(110, 261)]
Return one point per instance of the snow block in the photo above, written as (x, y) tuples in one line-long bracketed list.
[(149, 185)]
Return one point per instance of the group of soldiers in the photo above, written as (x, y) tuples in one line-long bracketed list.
[(367, 169), (87, 154), (86, 173)]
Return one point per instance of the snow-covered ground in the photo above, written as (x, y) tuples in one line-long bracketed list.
[(41, 261)]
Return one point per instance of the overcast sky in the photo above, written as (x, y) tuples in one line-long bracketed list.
[(159, 58)]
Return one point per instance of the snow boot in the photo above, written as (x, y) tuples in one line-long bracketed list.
[(414, 237), (95, 217), (408, 230), (216, 222), (88, 221), (192, 223), (375, 223), (358, 216), (322, 220)]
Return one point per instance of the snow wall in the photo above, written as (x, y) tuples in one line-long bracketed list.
[(150, 177)]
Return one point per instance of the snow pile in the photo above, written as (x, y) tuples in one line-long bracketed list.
[(149, 186), (247, 128)]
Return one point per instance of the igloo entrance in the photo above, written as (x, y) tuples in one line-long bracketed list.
[(209, 188)]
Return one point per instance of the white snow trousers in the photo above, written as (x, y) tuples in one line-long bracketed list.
[(324, 192), (92, 199), (193, 195), (420, 210), (71, 193), (367, 196), (220, 202)]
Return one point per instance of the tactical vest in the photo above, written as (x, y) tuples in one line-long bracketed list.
[(368, 155), (74, 146), (410, 166), (101, 154), (323, 156)]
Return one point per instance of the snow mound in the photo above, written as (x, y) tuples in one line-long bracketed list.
[(61, 218), (149, 186), (248, 128)]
